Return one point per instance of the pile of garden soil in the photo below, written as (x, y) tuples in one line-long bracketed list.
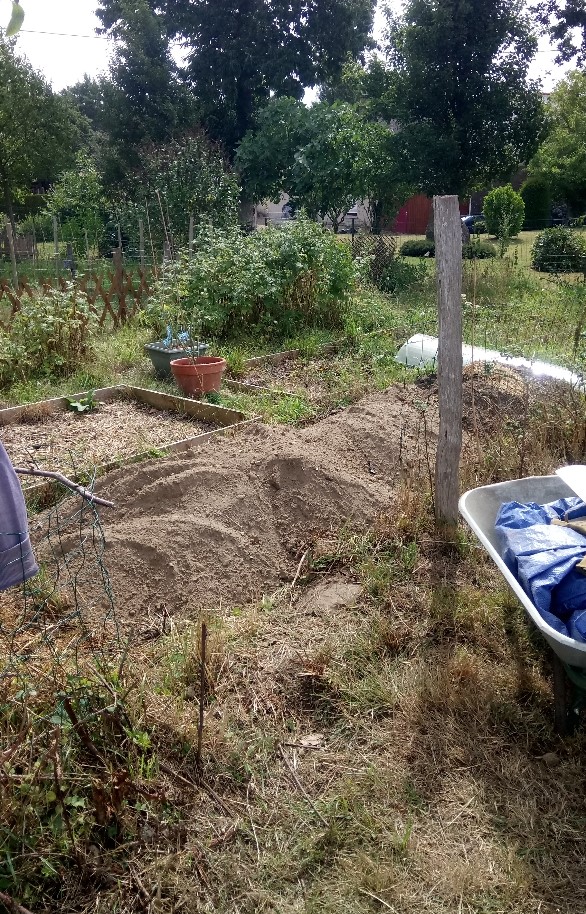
[(229, 522)]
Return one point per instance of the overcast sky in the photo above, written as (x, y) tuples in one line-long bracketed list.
[(65, 58)]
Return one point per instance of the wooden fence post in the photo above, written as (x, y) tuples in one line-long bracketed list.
[(190, 237), (56, 245), (448, 266), (118, 284), (10, 239), (141, 243)]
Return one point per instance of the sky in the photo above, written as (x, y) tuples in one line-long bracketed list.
[(65, 58)]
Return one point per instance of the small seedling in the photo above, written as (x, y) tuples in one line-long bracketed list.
[(84, 404)]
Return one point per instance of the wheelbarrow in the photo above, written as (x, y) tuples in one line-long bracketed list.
[(479, 508)]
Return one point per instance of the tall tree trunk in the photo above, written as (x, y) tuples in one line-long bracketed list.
[(10, 227)]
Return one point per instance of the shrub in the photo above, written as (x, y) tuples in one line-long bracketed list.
[(478, 250), (536, 196), (559, 250), (400, 275), (479, 228), (49, 335), (504, 212), (77, 199), (418, 247), (277, 278)]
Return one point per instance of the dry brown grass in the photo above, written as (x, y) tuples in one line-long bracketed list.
[(389, 750)]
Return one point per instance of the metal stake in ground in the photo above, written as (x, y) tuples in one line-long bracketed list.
[(448, 266)]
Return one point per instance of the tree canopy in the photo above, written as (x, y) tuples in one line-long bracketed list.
[(468, 115), (561, 158), (325, 158), (241, 52), (39, 131), (564, 21)]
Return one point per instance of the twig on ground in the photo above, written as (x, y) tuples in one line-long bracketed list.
[(380, 900), (302, 789), (13, 905), (68, 483), (298, 572), (202, 692)]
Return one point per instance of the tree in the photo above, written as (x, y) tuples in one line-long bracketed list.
[(536, 194), (564, 21), (325, 157), (39, 131), (190, 177), (504, 212), (77, 199), (144, 101), (241, 52), (561, 158), (468, 115)]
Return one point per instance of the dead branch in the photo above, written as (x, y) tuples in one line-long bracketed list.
[(12, 905), (68, 483), (300, 786)]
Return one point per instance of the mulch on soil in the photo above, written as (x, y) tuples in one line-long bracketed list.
[(68, 442)]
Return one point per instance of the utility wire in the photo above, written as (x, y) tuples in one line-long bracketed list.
[(67, 34)]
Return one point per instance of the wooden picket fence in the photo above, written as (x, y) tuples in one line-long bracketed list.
[(116, 296)]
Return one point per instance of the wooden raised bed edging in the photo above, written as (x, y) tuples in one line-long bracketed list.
[(229, 420)]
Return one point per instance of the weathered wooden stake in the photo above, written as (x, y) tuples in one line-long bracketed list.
[(56, 245), (448, 266), (190, 238), (141, 243), (10, 238)]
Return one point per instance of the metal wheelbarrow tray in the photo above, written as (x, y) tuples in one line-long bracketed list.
[(479, 508)]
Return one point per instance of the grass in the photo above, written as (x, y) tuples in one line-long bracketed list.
[(397, 755)]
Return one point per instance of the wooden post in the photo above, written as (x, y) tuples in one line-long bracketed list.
[(118, 284), (448, 266), (10, 238), (56, 245), (190, 240), (141, 243)]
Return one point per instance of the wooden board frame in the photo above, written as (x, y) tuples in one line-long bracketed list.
[(230, 421)]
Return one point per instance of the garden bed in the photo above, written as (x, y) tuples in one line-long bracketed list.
[(128, 424)]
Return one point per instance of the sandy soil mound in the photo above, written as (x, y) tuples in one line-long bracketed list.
[(229, 521)]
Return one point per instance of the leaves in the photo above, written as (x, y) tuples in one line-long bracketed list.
[(16, 20)]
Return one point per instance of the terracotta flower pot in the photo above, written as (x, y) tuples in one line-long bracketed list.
[(201, 376)]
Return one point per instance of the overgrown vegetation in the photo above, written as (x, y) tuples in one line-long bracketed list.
[(50, 335), (278, 280), (559, 250)]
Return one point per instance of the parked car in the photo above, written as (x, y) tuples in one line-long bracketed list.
[(476, 225)]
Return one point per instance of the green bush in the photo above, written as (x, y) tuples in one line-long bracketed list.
[(277, 279), (49, 335), (479, 228), (559, 250), (418, 247), (536, 196), (504, 212), (400, 275), (478, 250)]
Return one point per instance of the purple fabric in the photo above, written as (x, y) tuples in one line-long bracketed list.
[(17, 561)]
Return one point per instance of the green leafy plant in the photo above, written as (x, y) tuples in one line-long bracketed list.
[(49, 335), (16, 20), (478, 250), (418, 247), (83, 404), (276, 280), (504, 212), (559, 250), (536, 194)]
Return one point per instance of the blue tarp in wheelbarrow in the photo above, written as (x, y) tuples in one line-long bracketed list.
[(543, 558)]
